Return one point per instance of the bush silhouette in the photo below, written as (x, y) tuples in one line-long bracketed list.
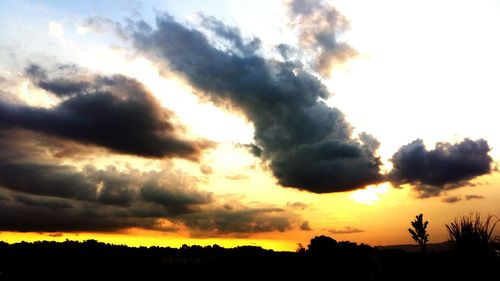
[(471, 236), (419, 231), (323, 246)]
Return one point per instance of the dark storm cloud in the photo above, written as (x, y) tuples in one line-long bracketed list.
[(59, 86), (113, 187), (23, 169), (447, 166), (176, 201), (50, 203), (345, 230), (106, 207), (107, 186), (113, 112), (347, 164), (46, 179), (19, 215), (41, 195), (38, 196), (243, 222), (320, 27), (309, 144)]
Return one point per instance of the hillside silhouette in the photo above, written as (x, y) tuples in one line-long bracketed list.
[(323, 259)]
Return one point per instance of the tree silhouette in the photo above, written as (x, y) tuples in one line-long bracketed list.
[(419, 231)]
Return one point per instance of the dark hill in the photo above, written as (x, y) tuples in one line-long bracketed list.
[(414, 248), (323, 259)]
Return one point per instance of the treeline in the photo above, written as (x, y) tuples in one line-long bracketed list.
[(323, 259)]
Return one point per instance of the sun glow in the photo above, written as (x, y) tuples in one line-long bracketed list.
[(419, 58), (371, 194)]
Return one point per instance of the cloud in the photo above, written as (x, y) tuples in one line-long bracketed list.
[(111, 207), (345, 230), (231, 35), (451, 199), (10, 85), (114, 112), (105, 186), (43, 202), (297, 205), (309, 144), (175, 200), (36, 183), (101, 25), (83, 216), (25, 212), (445, 167), (68, 80), (472, 196), (46, 179), (26, 169), (206, 170), (243, 221), (327, 166), (64, 198), (253, 149), (236, 177), (56, 29), (320, 28), (305, 226), (369, 141)]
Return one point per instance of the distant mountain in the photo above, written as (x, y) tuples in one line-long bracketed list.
[(413, 248)]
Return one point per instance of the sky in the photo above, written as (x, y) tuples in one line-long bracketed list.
[(246, 122)]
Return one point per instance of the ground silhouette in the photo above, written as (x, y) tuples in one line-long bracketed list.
[(323, 259)]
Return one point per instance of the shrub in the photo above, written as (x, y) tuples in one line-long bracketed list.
[(471, 236)]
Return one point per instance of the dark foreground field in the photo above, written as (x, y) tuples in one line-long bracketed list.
[(323, 259)]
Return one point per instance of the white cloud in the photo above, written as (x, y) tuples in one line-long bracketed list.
[(56, 29), (82, 30)]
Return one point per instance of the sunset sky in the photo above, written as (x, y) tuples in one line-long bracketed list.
[(246, 122)]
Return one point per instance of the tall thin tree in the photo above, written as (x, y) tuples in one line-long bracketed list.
[(419, 232)]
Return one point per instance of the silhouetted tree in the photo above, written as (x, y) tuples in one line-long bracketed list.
[(323, 246), (471, 236), (300, 249), (419, 232)]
